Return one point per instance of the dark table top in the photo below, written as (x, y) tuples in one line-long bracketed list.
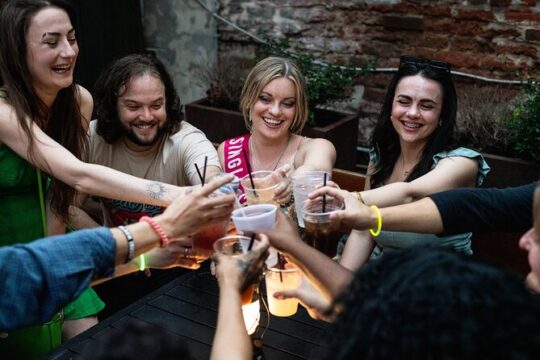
[(187, 308)]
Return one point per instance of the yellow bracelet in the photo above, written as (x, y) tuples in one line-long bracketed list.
[(142, 263), (379, 221), (359, 197)]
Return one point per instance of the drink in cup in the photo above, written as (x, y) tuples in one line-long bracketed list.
[(254, 218), (204, 239), (278, 279), (266, 183), (320, 232), (303, 184), (236, 245)]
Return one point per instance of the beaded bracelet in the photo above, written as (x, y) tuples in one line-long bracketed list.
[(164, 240), (379, 221), (130, 243)]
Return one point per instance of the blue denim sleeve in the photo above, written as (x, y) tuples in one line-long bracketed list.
[(39, 278)]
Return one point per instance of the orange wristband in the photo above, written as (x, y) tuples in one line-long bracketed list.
[(163, 239)]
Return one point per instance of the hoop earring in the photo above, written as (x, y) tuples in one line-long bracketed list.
[(440, 122)]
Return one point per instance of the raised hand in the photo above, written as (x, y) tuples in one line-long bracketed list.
[(240, 271), (284, 233), (283, 192), (187, 214), (355, 215)]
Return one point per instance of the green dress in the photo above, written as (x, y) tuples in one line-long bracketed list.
[(20, 222)]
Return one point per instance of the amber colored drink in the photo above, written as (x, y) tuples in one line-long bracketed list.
[(322, 236), (247, 295), (265, 183), (204, 239)]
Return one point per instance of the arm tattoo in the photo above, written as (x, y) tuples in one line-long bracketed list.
[(155, 190)]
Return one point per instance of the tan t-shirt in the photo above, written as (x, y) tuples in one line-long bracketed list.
[(171, 160)]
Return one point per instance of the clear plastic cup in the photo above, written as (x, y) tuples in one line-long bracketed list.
[(278, 279), (320, 232), (303, 184), (236, 245), (204, 239), (254, 218), (266, 183)]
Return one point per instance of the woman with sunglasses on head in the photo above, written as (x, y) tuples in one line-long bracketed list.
[(274, 105), (413, 155), (44, 117)]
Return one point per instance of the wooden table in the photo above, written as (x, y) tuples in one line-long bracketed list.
[(187, 308)]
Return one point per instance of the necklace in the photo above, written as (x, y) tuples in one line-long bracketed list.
[(252, 155), (405, 172)]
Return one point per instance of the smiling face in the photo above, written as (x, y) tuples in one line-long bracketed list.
[(51, 50), (141, 110), (273, 111), (416, 108), (530, 242)]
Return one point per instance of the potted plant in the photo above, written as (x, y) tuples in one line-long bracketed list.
[(219, 117), (504, 126)]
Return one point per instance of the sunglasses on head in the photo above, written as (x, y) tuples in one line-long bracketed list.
[(424, 63)]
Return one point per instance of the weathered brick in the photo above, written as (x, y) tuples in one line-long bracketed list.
[(474, 14), (528, 2), (522, 15), (477, 2), (403, 22), (532, 35), (529, 51)]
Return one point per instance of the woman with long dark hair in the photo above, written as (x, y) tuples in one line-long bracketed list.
[(44, 117), (413, 155)]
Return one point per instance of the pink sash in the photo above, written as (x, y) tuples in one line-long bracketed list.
[(234, 159)]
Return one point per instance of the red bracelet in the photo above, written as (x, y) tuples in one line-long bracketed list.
[(164, 240)]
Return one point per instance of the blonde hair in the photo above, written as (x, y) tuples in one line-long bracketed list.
[(265, 71)]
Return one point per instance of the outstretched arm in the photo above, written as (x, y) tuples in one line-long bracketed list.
[(93, 179), (315, 154), (329, 277), (231, 340), (450, 173)]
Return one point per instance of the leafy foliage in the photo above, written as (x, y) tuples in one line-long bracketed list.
[(525, 122)]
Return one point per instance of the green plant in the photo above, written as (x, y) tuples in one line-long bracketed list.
[(326, 83), (525, 122)]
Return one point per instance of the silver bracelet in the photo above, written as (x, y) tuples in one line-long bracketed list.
[(130, 243)]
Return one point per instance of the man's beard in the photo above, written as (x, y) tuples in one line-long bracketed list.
[(128, 133)]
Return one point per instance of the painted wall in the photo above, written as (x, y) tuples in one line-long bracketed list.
[(183, 35)]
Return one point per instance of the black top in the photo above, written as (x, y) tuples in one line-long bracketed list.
[(485, 210)]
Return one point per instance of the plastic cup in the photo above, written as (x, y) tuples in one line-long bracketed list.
[(277, 279), (266, 183), (254, 218), (320, 232), (204, 239), (236, 245), (303, 184)]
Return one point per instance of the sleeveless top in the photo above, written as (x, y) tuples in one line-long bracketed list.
[(393, 240), (20, 222)]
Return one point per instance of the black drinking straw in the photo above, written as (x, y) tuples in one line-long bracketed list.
[(204, 170), (324, 196), (249, 171), (199, 173), (251, 241), (281, 265)]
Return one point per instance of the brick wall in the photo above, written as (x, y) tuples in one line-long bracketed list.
[(492, 38)]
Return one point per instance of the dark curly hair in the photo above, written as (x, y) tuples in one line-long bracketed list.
[(385, 139), (63, 120), (436, 304), (117, 75), (139, 340)]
